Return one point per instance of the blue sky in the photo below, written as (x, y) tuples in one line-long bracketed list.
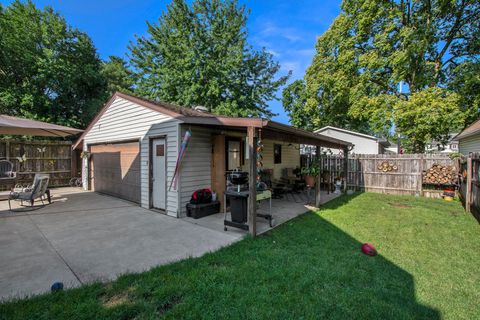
[(287, 29)]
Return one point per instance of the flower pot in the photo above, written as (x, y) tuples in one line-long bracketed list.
[(310, 181)]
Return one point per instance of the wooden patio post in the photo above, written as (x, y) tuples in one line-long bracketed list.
[(345, 167), (468, 193), (252, 181), (318, 198)]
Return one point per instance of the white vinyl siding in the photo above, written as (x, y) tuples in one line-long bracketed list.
[(195, 170), (125, 120), (469, 144), (362, 145)]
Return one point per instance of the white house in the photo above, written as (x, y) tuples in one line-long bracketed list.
[(438, 147), (363, 143), (131, 148), (469, 139)]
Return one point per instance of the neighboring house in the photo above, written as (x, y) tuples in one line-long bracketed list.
[(388, 147), (363, 143), (469, 139), (438, 147), (132, 145)]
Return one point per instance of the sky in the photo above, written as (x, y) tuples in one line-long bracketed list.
[(287, 29)]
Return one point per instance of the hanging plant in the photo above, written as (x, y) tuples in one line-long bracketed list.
[(85, 155)]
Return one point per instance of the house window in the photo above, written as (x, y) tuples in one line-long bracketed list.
[(277, 153)]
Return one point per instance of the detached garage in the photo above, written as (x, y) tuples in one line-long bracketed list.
[(131, 150), (115, 169)]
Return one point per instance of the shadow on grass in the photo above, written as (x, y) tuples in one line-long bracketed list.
[(340, 200), (306, 268)]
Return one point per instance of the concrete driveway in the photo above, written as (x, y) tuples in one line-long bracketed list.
[(85, 236)]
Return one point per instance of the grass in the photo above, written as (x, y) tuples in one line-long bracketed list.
[(310, 267)]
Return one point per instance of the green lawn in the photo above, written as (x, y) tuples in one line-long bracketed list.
[(311, 267)]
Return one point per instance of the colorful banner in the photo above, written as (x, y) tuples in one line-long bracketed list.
[(181, 153)]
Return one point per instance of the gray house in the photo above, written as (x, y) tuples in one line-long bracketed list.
[(131, 148), (469, 139)]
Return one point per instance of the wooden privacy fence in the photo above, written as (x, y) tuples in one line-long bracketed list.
[(386, 173), (469, 184), (30, 157)]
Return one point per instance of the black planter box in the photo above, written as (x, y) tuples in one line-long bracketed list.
[(202, 210)]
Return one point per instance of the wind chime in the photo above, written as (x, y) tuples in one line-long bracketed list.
[(259, 155)]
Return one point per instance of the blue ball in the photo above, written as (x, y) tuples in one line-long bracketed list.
[(57, 286)]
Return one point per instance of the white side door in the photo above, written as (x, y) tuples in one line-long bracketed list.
[(159, 153)]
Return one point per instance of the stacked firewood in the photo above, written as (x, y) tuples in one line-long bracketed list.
[(439, 174)]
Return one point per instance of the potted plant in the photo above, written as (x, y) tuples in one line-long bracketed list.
[(310, 173)]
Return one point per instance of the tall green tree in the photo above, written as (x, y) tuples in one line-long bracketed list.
[(293, 101), (48, 70), (198, 54), (431, 47), (118, 76)]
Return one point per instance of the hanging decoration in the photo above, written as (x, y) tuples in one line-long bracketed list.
[(386, 166), (259, 155), (181, 153)]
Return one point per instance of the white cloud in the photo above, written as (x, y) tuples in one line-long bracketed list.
[(270, 29)]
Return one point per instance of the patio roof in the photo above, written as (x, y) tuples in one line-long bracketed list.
[(27, 127), (269, 128)]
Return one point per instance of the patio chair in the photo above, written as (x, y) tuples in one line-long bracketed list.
[(6, 169), (7, 175), (39, 190)]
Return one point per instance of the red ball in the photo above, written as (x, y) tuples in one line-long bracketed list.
[(369, 249)]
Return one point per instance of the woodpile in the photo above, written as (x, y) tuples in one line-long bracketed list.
[(439, 174)]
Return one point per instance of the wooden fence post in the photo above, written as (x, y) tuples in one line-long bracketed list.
[(252, 181), (7, 150), (468, 195), (420, 176), (345, 167), (318, 199)]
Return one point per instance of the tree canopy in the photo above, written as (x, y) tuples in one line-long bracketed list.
[(431, 47), (119, 77), (198, 54), (48, 70)]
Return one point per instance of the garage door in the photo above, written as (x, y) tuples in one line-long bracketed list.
[(115, 170)]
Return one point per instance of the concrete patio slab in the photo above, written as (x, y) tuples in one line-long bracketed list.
[(284, 209), (84, 237)]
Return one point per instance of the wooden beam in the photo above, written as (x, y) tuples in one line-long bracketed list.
[(318, 198), (218, 167), (252, 181)]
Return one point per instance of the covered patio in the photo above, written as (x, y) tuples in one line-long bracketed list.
[(254, 131), (283, 210)]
